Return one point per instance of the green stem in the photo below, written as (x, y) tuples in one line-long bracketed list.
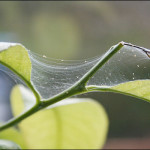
[(102, 61), (38, 107), (26, 82), (14, 121), (78, 88)]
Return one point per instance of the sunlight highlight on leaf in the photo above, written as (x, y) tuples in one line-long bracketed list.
[(15, 56)]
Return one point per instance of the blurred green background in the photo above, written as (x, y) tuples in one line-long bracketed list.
[(79, 30)]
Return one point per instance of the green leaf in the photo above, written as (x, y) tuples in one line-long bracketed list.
[(15, 57), (28, 99), (13, 135), (74, 126), (138, 88)]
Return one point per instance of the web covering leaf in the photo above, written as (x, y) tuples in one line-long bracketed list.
[(128, 64), (52, 77)]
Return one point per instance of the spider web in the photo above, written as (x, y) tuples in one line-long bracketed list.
[(128, 64), (51, 77)]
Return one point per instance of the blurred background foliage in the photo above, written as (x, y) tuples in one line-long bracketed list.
[(77, 30)]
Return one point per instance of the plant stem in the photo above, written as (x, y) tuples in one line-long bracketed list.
[(101, 62), (26, 82), (14, 121), (78, 88)]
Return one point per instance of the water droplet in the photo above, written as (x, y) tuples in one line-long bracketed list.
[(138, 66)]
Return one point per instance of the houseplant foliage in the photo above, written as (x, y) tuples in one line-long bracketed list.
[(50, 119)]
